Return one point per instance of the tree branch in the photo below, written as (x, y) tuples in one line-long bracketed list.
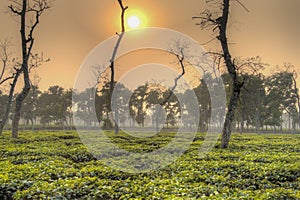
[(6, 79), (181, 58), (4, 46), (13, 10), (122, 15)]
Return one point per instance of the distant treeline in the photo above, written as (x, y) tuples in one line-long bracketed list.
[(266, 102)]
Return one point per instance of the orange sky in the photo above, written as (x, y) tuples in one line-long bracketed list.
[(69, 31)]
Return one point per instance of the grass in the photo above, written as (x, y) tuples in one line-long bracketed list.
[(56, 165)]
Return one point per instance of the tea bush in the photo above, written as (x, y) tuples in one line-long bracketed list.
[(56, 165)]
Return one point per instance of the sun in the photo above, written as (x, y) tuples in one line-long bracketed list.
[(135, 18), (133, 22)]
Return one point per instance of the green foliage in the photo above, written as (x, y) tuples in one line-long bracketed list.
[(56, 165), (54, 105)]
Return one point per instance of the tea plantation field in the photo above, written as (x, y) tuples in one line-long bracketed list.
[(56, 165)]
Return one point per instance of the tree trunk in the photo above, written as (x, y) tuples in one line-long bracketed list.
[(19, 102), (226, 133), (67, 125), (242, 126), (257, 121), (25, 57), (32, 124), (112, 65), (9, 101), (116, 121)]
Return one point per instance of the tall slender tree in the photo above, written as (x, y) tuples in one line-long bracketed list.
[(29, 13), (112, 63), (10, 96), (5, 62), (10, 70), (219, 21)]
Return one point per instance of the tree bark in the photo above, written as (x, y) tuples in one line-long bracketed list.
[(112, 66), (21, 9), (226, 132), (25, 57), (9, 101), (242, 126), (237, 85), (17, 114), (258, 125)]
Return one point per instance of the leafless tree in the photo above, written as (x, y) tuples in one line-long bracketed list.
[(7, 73), (16, 75), (15, 70), (178, 49), (5, 67), (218, 21), (112, 62), (29, 14)]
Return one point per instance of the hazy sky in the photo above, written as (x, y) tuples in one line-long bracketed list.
[(71, 29)]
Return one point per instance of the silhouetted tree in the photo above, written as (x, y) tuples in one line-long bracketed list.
[(29, 111), (105, 93), (54, 105), (280, 97), (112, 62), (29, 13), (138, 104), (203, 98), (251, 103), (219, 21), (10, 70), (5, 66)]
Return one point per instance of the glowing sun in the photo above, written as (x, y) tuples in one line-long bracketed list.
[(133, 22)]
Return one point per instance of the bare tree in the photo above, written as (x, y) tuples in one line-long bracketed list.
[(35, 61), (29, 13), (7, 73), (215, 21), (112, 62), (16, 75), (5, 67), (178, 49)]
